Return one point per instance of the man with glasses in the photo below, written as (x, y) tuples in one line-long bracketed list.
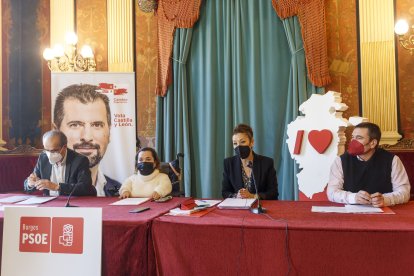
[(59, 170), (367, 174)]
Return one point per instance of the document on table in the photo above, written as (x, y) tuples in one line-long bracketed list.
[(206, 202), (361, 209), (236, 203), (179, 212), (130, 201), (328, 209), (37, 200), (14, 199)]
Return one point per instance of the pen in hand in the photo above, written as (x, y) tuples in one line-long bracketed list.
[(377, 200), (363, 197)]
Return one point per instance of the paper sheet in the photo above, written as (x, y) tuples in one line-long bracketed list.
[(360, 209), (37, 200), (14, 199), (206, 202), (363, 209), (328, 209), (236, 203), (131, 201)]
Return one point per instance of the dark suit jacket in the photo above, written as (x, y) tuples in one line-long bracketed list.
[(77, 173), (263, 171), (111, 187)]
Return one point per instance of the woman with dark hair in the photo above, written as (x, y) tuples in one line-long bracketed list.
[(148, 181), (247, 167)]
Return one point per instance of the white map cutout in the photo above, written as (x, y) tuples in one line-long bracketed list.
[(322, 112)]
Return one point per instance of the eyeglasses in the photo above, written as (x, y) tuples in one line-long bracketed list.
[(53, 151)]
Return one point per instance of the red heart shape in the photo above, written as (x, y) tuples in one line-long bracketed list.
[(320, 139)]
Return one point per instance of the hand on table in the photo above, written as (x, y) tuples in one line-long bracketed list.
[(155, 196), (377, 200), (363, 197), (244, 193), (125, 194), (43, 184)]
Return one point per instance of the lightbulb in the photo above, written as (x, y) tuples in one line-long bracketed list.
[(71, 38), (48, 54), (86, 51), (58, 50), (401, 27)]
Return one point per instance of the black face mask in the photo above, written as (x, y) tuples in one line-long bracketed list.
[(242, 151), (145, 168)]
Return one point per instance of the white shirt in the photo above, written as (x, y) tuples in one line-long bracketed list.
[(399, 179), (100, 183), (144, 185), (58, 174)]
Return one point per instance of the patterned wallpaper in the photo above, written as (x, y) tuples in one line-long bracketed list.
[(342, 52), (405, 9), (91, 27), (145, 68)]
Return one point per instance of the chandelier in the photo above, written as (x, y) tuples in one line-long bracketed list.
[(67, 59), (406, 41)]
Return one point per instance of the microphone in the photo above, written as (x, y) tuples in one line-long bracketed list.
[(70, 195), (259, 209)]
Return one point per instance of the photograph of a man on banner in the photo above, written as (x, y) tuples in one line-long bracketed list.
[(96, 111), (84, 115)]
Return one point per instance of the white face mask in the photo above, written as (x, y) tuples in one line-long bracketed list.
[(54, 157)]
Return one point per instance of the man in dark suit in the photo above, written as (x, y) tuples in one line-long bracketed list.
[(243, 171), (59, 170)]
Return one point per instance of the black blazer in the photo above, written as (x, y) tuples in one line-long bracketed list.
[(77, 173), (111, 187), (264, 174)]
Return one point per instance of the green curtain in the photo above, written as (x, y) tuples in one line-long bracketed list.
[(172, 125), (240, 68)]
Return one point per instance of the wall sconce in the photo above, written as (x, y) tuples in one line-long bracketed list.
[(407, 42), (59, 60), (147, 5)]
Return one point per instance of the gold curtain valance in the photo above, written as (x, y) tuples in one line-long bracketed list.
[(171, 14), (311, 15)]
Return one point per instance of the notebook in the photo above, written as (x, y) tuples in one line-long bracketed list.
[(236, 203)]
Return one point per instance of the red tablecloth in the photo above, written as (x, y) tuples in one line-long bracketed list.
[(289, 237), (126, 238)]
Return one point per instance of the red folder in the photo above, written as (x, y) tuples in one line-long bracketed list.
[(188, 204)]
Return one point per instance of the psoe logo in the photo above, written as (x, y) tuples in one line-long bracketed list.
[(67, 237), (56, 235), (111, 88)]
